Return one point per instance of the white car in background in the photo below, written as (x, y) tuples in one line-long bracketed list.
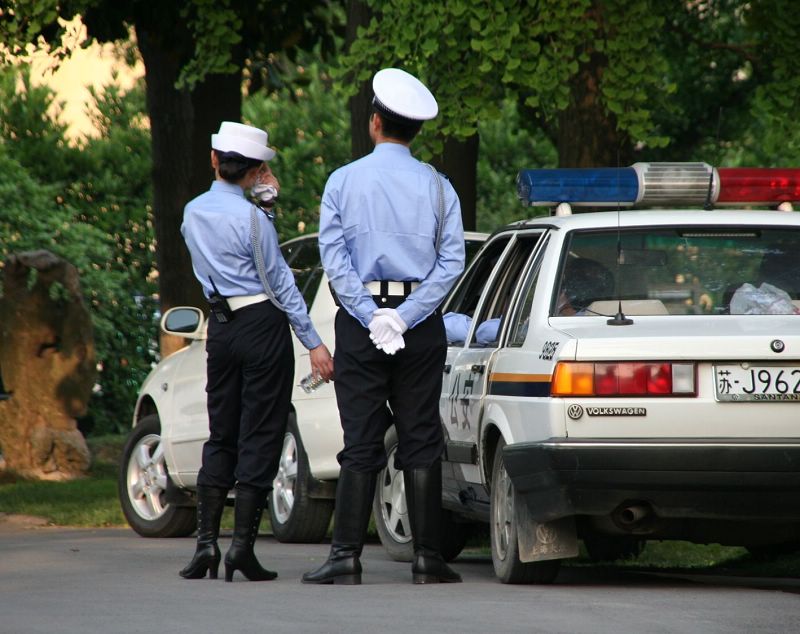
[(162, 455)]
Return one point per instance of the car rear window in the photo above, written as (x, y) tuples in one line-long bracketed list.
[(680, 271)]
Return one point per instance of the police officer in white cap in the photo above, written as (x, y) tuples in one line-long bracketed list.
[(379, 221), (250, 359)]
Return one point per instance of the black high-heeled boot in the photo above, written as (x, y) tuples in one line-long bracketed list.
[(249, 506), (424, 501), (354, 493), (210, 504)]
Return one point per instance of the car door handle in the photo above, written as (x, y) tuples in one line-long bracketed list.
[(447, 368), (478, 369)]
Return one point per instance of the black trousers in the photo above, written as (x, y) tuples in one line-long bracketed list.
[(250, 372), (366, 378)]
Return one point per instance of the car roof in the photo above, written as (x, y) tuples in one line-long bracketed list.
[(658, 217)]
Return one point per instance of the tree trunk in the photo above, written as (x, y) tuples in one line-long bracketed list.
[(587, 135), (182, 122), (48, 361), (360, 104), (459, 162)]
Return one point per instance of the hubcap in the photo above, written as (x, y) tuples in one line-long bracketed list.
[(147, 478), (503, 495), (394, 511), (286, 480)]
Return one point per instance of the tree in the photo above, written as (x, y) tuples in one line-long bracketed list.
[(194, 53), (600, 77)]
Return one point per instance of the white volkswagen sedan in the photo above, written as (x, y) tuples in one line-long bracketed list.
[(628, 375), (162, 455)]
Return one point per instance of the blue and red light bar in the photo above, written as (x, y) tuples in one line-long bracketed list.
[(659, 184)]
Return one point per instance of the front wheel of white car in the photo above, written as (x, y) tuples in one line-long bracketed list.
[(296, 517), (142, 485), (503, 530)]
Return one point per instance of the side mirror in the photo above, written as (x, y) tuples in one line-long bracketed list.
[(183, 321)]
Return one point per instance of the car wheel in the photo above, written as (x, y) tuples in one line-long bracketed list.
[(503, 531), (296, 517), (142, 486), (389, 508), (606, 548), (391, 514)]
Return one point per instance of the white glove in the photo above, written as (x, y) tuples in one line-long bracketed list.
[(396, 318), (382, 329), (395, 344)]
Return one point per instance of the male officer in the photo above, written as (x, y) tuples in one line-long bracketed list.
[(379, 221)]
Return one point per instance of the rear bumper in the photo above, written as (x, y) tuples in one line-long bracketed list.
[(727, 479)]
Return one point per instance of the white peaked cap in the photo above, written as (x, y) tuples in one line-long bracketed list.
[(404, 95), (246, 140)]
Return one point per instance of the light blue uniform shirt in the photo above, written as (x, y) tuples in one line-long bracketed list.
[(216, 228), (378, 221)]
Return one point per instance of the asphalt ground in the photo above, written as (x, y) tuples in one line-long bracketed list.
[(112, 580)]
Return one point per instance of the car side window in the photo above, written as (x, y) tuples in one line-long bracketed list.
[(304, 260), (460, 307), (500, 298), (522, 315)]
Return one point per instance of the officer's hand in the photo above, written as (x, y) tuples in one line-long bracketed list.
[(395, 316), (382, 329), (321, 362), (393, 345)]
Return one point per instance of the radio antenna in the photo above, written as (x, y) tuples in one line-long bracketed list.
[(619, 319)]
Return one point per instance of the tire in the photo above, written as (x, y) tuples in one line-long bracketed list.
[(607, 548), (503, 532), (389, 508), (142, 486), (390, 512), (296, 517)]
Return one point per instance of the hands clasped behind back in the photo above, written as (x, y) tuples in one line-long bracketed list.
[(386, 330)]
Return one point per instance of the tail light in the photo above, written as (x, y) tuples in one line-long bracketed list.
[(625, 378)]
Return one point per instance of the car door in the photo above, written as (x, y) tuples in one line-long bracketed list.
[(487, 296)]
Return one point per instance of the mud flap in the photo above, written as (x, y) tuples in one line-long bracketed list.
[(541, 541)]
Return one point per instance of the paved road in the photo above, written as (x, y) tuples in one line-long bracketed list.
[(112, 581)]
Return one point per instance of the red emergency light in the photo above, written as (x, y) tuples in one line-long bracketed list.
[(758, 185)]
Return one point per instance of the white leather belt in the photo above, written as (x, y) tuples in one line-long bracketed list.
[(246, 300), (393, 289)]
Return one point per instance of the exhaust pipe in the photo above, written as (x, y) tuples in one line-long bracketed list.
[(632, 516)]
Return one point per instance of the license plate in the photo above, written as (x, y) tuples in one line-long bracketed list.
[(763, 383)]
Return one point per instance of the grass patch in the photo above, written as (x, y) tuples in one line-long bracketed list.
[(88, 502)]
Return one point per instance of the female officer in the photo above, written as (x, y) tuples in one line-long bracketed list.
[(250, 363)]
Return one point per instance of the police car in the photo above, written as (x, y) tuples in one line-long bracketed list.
[(162, 455), (627, 374)]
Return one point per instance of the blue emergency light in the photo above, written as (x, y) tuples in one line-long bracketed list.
[(602, 186)]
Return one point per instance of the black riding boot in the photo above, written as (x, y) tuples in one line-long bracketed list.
[(249, 506), (354, 493), (210, 504), (424, 500)]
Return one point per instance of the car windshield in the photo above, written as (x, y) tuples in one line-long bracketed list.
[(680, 271)]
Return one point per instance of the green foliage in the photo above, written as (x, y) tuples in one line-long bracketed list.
[(90, 205), (692, 80), (506, 147), (308, 124)]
